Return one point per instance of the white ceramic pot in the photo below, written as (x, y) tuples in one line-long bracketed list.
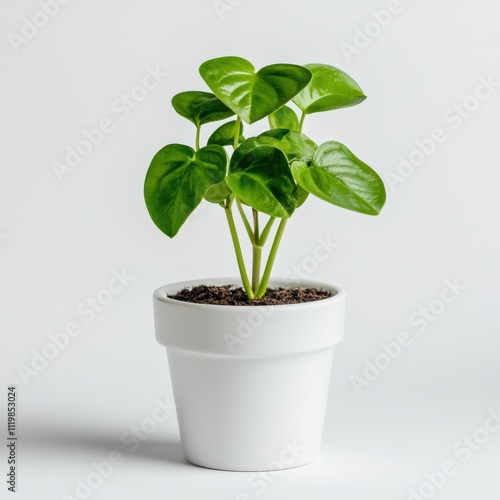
[(250, 382)]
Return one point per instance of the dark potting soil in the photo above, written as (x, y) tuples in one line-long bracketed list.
[(230, 295)]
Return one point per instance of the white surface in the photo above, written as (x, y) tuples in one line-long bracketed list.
[(63, 241), (250, 383)]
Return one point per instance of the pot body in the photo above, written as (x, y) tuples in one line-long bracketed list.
[(250, 382)]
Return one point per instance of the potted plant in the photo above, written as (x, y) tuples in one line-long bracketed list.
[(250, 358)]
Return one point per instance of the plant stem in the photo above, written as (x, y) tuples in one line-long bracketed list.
[(197, 142), (301, 123), (270, 261), (257, 252), (255, 216), (237, 249), (257, 256), (237, 133), (245, 220), (266, 231)]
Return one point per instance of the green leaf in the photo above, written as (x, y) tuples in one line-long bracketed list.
[(294, 144), (217, 193), (330, 88), (200, 107), (275, 133), (262, 179), (244, 148), (224, 135), (177, 180), (284, 117), (338, 177), (253, 95)]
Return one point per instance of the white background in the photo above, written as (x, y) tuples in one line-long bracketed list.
[(61, 241)]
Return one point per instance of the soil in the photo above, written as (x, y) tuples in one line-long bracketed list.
[(230, 295)]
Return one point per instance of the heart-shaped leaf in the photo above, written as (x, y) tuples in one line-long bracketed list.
[(253, 95), (262, 179), (200, 107), (284, 117), (224, 135), (329, 88), (338, 177), (177, 180)]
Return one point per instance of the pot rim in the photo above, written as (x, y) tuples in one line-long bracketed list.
[(161, 293)]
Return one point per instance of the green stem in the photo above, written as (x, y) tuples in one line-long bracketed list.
[(237, 133), (197, 141), (266, 231), (257, 257), (245, 220), (270, 261), (255, 216), (301, 123), (237, 249), (257, 252)]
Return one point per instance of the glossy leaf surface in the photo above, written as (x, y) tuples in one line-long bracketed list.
[(251, 94), (338, 177), (262, 179), (200, 107), (329, 88), (177, 181)]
